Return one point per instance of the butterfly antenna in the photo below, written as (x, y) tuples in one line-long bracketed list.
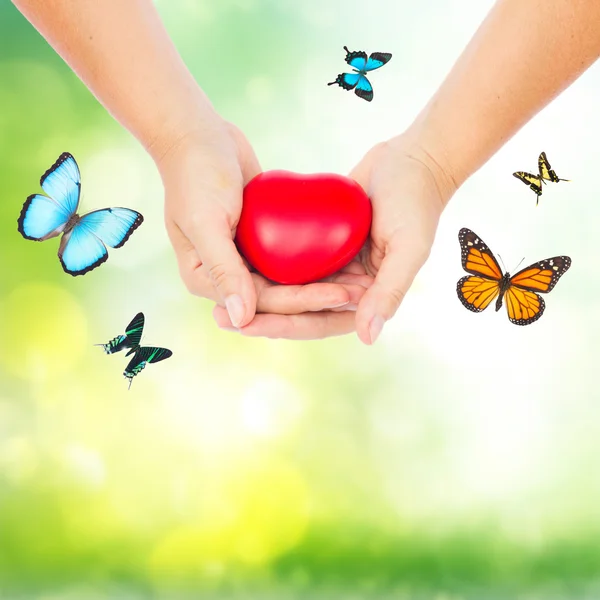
[(520, 262), (503, 265)]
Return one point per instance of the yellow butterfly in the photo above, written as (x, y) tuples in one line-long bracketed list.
[(535, 181)]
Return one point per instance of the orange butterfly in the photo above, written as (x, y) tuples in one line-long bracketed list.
[(523, 302)]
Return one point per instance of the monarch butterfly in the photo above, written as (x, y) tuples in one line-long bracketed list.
[(535, 181), (360, 64), (523, 302)]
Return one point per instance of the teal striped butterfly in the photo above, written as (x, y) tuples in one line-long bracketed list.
[(142, 355)]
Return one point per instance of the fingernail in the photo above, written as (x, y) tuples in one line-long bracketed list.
[(351, 306), (375, 328), (235, 308), (339, 305), (234, 329)]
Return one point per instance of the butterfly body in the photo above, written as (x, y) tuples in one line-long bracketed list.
[(521, 291), (545, 173), (84, 238), (503, 286), (361, 65)]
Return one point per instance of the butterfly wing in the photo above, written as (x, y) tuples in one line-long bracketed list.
[(546, 171), (542, 276), (346, 80), (115, 345), (533, 181), (476, 293), (62, 182), (476, 257), (143, 356), (357, 60), (81, 251), (44, 217), (113, 226), (523, 302), (364, 89), (84, 247), (135, 329), (523, 307), (376, 60)]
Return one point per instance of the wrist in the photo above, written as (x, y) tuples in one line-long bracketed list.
[(417, 146), (194, 119)]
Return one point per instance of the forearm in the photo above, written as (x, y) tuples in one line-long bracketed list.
[(523, 55), (122, 52)]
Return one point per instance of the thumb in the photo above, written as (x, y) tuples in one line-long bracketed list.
[(380, 302), (225, 267)]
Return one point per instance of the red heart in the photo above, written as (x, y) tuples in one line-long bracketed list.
[(298, 229)]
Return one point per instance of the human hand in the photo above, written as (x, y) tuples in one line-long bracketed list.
[(204, 174), (409, 191)]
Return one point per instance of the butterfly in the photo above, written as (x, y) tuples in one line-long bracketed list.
[(535, 181), (84, 239), (142, 355), (521, 291), (131, 339), (361, 65)]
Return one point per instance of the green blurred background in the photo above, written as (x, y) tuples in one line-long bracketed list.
[(458, 458)]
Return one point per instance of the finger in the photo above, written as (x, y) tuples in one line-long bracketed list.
[(290, 300), (212, 237), (307, 326), (190, 266), (356, 294), (297, 299), (397, 271)]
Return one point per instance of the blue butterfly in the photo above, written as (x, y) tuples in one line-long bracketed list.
[(83, 244), (361, 65)]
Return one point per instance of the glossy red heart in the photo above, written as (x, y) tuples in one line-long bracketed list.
[(297, 229)]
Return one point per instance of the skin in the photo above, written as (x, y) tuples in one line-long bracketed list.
[(122, 53)]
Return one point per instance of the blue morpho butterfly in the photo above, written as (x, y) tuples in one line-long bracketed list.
[(83, 244), (142, 355), (358, 81)]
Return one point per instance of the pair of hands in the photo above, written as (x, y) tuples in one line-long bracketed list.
[(204, 174)]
